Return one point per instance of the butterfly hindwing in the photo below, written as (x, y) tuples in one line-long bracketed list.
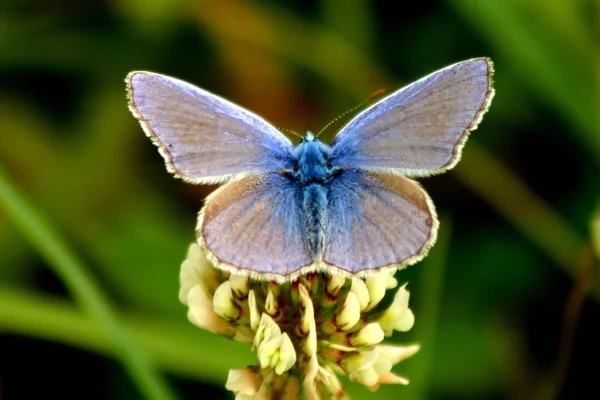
[(420, 129), (256, 224), (204, 138), (377, 220)]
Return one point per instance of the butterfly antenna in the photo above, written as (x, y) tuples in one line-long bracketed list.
[(353, 109), (337, 119), (291, 131)]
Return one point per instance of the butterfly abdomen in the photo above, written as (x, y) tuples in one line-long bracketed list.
[(315, 210)]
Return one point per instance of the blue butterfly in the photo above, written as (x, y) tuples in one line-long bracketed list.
[(286, 210)]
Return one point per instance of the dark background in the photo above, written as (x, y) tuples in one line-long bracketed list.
[(506, 304)]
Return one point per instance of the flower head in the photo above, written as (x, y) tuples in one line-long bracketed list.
[(304, 332)]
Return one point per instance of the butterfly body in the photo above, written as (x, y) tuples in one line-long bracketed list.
[(312, 170), (286, 210)]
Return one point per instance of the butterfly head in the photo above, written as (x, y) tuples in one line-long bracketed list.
[(309, 137)]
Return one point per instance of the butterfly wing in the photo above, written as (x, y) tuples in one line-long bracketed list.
[(420, 129), (256, 224), (202, 137), (377, 220)]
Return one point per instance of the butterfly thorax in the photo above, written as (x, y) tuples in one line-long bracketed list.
[(311, 159)]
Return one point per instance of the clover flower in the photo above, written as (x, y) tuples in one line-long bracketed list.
[(304, 332)]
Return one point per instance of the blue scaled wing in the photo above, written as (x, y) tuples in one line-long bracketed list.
[(376, 221), (256, 225), (202, 137), (420, 129)]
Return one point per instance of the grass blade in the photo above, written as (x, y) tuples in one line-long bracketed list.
[(82, 286)]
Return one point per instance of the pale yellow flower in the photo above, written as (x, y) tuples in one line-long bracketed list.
[(398, 316), (305, 333), (245, 383)]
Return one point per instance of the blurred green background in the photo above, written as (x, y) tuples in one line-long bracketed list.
[(93, 229)]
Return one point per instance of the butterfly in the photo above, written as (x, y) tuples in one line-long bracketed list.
[(350, 207)]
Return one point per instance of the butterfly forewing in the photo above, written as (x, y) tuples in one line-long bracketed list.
[(420, 129), (203, 137), (257, 225), (377, 220)]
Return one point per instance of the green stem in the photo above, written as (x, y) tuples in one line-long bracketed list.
[(82, 286)]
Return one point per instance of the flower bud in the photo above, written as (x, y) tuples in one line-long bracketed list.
[(311, 370), (382, 365), (368, 336), (335, 284), (395, 354), (390, 281), (240, 285), (286, 355), (277, 353), (350, 313), (267, 352), (362, 293), (307, 311), (201, 313), (405, 321), (267, 330), (254, 311), (391, 378), (196, 270), (398, 316), (271, 304), (356, 362), (332, 383), (309, 346), (307, 327), (243, 382), (376, 285), (188, 278), (224, 304), (367, 377)]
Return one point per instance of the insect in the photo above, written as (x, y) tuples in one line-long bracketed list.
[(285, 210)]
